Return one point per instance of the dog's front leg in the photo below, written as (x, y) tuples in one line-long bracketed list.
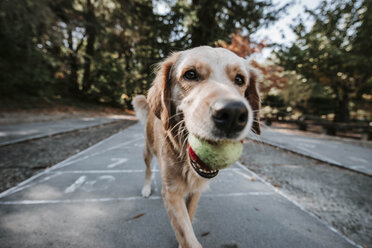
[(192, 200), (180, 219)]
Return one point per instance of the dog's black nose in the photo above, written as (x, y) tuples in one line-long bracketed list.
[(229, 116)]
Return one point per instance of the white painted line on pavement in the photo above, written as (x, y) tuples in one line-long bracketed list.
[(302, 151), (297, 204), (58, 173), (99, 171), (361, 160), (100, 183), (130, 198), (23, 185), (94, 154), (118, 161), (94, 146), (34, 202), (54, 174), (258, 193), (80, 181)]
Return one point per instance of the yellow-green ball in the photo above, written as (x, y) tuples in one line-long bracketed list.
[(217, 155)]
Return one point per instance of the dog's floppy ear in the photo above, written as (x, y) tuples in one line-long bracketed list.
[(253, 96), (159, 97)]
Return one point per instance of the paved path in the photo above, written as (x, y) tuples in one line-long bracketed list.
[(334, 152), (93, 200), (10, 134)]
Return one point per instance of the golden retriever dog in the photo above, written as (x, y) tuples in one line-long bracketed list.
[(209, 92)]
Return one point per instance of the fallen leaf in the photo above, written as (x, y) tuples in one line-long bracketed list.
[(276, 185), (136, 217), (205, 234)]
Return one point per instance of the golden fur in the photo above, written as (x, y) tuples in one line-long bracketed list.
[(175, 107)]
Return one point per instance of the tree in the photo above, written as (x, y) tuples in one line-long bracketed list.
[(86, 49), (334, 51), (109, 48), (104, 50), (203, 22), (305, 97), (25, 29)]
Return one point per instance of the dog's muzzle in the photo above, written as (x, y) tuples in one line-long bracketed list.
[(229, 116)]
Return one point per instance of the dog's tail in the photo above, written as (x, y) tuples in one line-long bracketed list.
[(141, 107)]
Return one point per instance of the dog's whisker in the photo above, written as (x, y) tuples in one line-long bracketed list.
[(260, 122), (175, 126), (178, 135), (255, 137), (175, 115), (183, 150), (181, 131)]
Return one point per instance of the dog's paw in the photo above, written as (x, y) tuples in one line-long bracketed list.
[(146, 191)]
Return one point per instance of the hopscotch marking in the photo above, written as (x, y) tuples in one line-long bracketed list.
[(73, 159), (118, 161), (77, 159), (77, 184), (101, 183)]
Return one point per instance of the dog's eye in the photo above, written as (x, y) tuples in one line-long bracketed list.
[(239, 80), (191, 75)]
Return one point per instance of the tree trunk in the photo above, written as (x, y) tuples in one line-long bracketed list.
[(203, 30), (342, 113), (91, 33), (73, 78)]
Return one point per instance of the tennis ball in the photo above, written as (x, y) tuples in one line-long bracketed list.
[(217, 155)]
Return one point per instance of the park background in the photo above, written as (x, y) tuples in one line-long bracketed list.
[(70, 68), (103, 52)]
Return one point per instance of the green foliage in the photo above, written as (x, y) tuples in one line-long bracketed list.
[(334, 52), (308, 97), (104, 50), (25, 66), (203, 22)]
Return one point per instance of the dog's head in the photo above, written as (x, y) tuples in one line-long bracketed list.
[(212, 91)]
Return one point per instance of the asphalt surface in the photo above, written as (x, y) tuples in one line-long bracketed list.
[(14, 133), (338, 153), (93, 199)]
